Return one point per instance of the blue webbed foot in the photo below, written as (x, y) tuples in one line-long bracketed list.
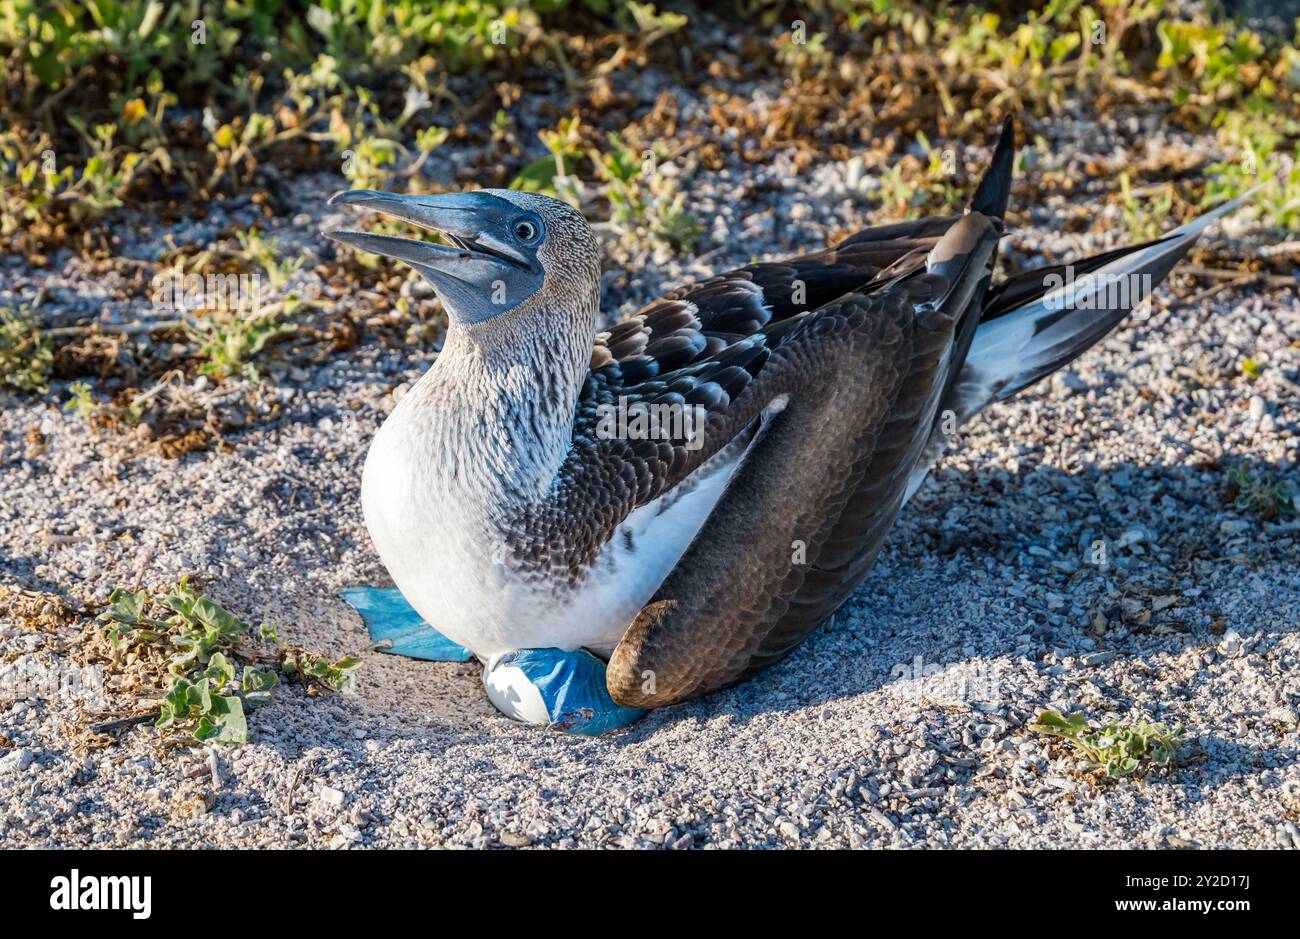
[(563, 690), (392, 621)]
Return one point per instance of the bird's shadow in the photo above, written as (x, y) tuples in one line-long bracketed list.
[(1160, 551)]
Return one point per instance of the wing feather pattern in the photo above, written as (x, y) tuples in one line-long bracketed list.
[(700, 346), (802, 520), (694, 324)]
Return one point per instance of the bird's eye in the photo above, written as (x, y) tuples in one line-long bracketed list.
[(525, 230)]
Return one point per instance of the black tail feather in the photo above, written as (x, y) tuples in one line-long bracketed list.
[(1027, 286), (994, 191)]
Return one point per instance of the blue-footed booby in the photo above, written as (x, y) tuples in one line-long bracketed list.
[(514, 515)]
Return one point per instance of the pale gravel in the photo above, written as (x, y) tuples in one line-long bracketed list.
[(984, 585)]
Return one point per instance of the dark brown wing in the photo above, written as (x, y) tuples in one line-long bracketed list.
[(701, 347), (612, 469), (801, 522), (697, 323)]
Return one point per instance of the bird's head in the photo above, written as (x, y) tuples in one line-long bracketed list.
[(509, 250)]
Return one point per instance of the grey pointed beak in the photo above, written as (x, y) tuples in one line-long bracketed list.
[(484, 272), (472, 221)]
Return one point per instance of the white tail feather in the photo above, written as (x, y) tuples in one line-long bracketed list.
[(1009, 352), (1017, 349)]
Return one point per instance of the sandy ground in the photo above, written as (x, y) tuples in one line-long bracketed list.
[(903, 724)]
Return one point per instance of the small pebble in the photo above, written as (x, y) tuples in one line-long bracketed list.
[(16, 762), (331, 796)]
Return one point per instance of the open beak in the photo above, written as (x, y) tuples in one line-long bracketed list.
[(484, 272), (474, 223)]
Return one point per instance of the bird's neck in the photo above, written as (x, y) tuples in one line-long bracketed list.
[(499, 403)]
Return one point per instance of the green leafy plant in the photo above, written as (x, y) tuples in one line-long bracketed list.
[(82, 404), (310, 667), (265, 253), (1206, 59), (229, 340), (25, 352), (264, 73), (194, 626), (28, 179), (198, 633), (106, 174), (809, 57), (1259, 157), (335, 675), (907, 193), (1117, 749), (203, 703), (89, 83), (207, 647), (1258, 494), (644, 200), (564, 146), (1144, 218), (650, 24), (42, 184)]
